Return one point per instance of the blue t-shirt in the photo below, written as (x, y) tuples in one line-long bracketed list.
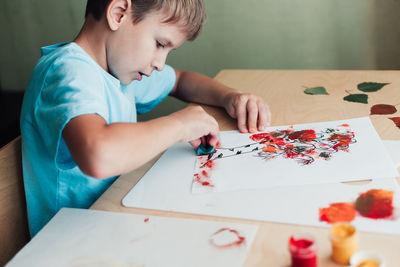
[(66, 83)]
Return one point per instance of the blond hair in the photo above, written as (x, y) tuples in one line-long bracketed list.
[(190, 14)]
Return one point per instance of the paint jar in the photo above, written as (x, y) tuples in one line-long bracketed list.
[(367, 259), (344, 241), (303, 250)]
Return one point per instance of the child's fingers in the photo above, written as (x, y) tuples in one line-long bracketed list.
[(269, 116), (241, 115), (213, 139), (264, 116), (195, 143), (203, 140), (252, 115)]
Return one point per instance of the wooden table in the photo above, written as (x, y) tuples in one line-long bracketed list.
[(283, 91)]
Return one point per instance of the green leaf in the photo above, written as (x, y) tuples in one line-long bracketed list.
[(358, 98), (370, 86), (316, 91)]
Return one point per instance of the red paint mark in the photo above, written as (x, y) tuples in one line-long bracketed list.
[(343, 141), (345, 125), (375, 204), (203, 180), (146, 220), (337, 212), (205, 174), (203, 177), (396, 121), (303, 252), (303, 135), (279, 141), (261, 137), (239, 239), (210, 164), (383, 109)]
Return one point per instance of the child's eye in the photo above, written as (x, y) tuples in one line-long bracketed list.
[(160, 44)]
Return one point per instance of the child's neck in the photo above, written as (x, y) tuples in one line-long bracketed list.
[(92, 39)]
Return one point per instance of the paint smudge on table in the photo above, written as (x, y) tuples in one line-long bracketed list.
[(373, 204), (383, 109), (396, 121), (226, 237)]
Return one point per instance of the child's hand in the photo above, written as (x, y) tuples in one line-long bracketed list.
[(198, 126), (251, 112)]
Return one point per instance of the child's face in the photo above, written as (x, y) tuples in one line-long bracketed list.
[(137, 49)]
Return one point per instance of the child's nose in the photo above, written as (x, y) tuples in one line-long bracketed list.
[(159, 67), (159, 62)]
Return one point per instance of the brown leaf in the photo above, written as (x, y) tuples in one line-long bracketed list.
[(396, 121), (383, 109)]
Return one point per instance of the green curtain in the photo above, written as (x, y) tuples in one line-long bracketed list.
[(251, 34)]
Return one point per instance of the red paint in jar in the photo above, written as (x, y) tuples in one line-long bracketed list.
[(303, 250)]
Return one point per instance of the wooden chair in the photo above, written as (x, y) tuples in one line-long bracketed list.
[(14, 233)]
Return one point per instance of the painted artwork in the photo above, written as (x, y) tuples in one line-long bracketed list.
[(99, 238), (293, 155), (303, 146)]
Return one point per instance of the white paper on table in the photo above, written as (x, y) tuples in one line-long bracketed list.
[(293, 204), (367, 158), (76, 237), (393, 146)]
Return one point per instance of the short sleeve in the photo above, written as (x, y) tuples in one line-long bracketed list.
[(71, 88), (152, 90)]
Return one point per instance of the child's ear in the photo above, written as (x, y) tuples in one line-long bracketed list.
[(116, 12)]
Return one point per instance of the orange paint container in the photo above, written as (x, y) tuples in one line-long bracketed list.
[(344, 241)]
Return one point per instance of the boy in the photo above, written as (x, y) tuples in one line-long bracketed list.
[(78, 118)]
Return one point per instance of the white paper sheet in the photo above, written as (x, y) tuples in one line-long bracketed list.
[(393, 146), (96, 238), (351, 157), (168, 188)]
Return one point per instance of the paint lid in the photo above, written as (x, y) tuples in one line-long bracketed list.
[(343, 233), (302, 245), (367, 259)]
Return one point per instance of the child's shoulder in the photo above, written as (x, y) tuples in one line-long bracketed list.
[(62, 68), (69, 54), (65, 60)]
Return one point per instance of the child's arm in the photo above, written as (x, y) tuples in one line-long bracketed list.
[(251, 112), (103, 150)]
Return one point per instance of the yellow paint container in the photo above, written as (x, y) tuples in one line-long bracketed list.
[(344, 241), (367, 259), (368, 263)]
